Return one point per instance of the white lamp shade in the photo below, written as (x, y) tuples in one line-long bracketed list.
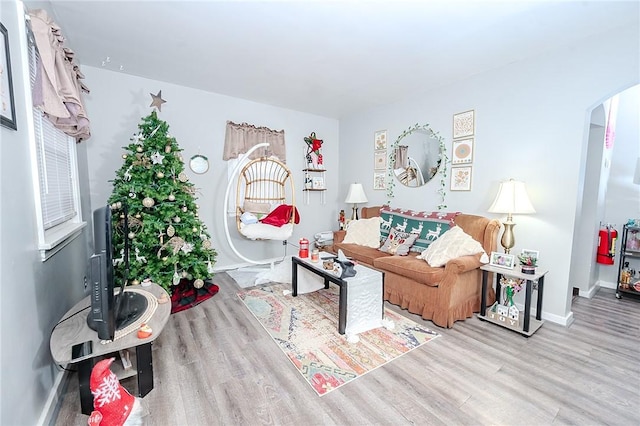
[(636, 176), (512, 198), (356, 194)]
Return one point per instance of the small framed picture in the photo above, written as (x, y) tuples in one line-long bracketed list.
[(462, 151), (533, 253), (379, 180), (7, 102), (380, 160), (502, 260), (317, 183), (380, 140), (463, 124), (461, 178)]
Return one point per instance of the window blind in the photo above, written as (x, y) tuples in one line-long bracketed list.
[(55, 162)]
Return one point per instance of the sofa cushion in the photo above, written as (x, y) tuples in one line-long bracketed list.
[(427, 225), (398, 243), (411, 267), (360, 253), (365, 232), (453, 243)]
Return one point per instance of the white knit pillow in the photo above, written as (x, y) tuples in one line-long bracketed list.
[(453, 243), (364, 232)]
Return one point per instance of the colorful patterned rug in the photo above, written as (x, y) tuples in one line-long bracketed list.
[(306, 329)]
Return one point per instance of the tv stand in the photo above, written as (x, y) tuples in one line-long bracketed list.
[(73, 329)]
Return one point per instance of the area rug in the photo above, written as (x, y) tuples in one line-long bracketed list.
[(306, 329)]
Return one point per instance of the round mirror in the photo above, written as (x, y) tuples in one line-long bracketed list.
[(416, 156)]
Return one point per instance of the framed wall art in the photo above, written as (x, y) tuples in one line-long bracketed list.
[(380, 140), (462, 151), (463, 124), (7, 101), (379, 160), (379, 180), (461, 178)]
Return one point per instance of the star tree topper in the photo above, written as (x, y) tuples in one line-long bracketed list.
[(157, 100)]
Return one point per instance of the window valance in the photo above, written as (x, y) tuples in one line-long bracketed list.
[(239, 138), (57, 90)]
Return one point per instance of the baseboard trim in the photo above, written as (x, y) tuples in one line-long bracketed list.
[(51, 408)]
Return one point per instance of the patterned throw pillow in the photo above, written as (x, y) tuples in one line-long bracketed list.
[(398, 243), (427, 225)]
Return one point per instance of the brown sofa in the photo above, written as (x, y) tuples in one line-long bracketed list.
[(444, 294)]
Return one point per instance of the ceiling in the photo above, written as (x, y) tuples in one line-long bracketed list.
[(331, 58)]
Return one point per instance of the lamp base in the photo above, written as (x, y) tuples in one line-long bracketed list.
[(508, 240), (354, 214)]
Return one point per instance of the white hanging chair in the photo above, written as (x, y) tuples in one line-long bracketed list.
[(264, 187)]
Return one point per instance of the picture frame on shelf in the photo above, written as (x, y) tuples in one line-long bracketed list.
[(502, 260), (380, 160), (462, 151), (463, 124), (7, 103), (380, 140), (379, 181), (461, 178), (317, 182), (532, 253)]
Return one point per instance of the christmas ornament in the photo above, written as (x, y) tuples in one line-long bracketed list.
[(157, 100), (148, 202), (165, 258), (171, 197), (131, 235), (138, 138), (198, 283), (159, 175), (177, 219), (135, 282), (171, 231), (124, 156), (187, 248), (194, 229), (184, 209), (138, 216), (167, 149), (206, 244), (182, 177), (139, 149), (132, 195), (176, 277), (157, 158), (209, 267), (184, 274), (140, 259), (154, 131)]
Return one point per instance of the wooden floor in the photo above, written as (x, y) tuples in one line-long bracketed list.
[(215, 365)]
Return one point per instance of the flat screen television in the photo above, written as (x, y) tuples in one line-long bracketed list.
[(112, 308)]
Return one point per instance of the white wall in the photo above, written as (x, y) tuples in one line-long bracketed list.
[(197, 120), (35, 294), (532, 122)]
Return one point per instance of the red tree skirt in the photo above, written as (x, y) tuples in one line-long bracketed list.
[(186, 296)]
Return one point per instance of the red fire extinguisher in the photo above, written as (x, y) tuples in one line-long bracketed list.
[(606, 245)]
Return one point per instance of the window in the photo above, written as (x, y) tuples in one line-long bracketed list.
[(55, 171)]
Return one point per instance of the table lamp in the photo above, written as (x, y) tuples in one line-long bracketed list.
[(354, 196), (512, 198)]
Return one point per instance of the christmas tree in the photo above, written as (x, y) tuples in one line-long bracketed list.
[(167, 240)]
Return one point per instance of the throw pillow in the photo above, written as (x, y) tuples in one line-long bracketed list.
[(364, 232), (453, 243), (398, 243)]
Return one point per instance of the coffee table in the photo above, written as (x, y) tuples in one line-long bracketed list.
[(361, 303)]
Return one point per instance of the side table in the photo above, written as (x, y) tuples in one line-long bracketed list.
[(73, 329), (530, 325)]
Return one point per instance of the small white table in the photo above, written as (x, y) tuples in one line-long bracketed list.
[(530, 325), (361, 305)]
